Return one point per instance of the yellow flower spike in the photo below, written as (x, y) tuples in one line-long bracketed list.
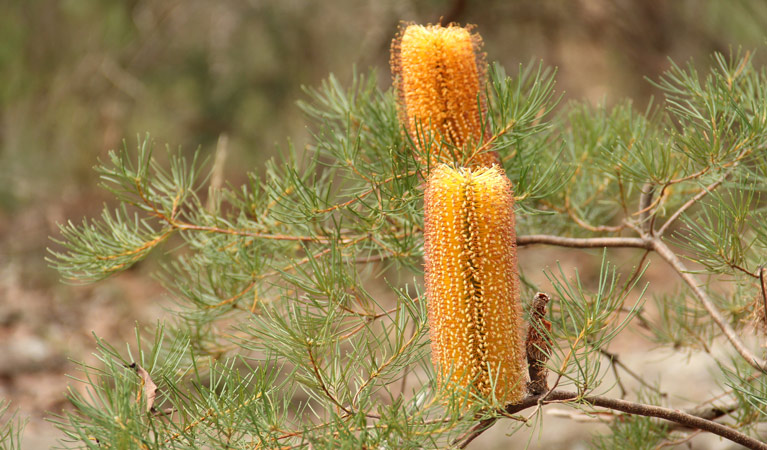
[(472, 285), (439, 73)]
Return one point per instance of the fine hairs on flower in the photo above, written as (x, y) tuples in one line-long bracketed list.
[(472, 285), (439, 73)]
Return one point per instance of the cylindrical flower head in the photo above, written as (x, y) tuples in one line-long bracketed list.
[(439, 73), (472, 285)]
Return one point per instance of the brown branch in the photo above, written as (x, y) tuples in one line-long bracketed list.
[(645, 203), (324, 388), (683, 418), (737, 267), (706, 190), (145, 199), (689, 177), (487, 145), (599, 242), (710, 413), (670, 257), (644, 209), (138, 250)]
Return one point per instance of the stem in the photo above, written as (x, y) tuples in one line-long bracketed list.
[(616, 362), (645, 203), (600, 242), (235, 232), (706, 190), (672, 415), (324, 387), (671, 258)]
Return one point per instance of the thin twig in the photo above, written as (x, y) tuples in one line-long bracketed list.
[(670, 257), (677, 442), (487, 145), (293, 266), (377, 372), (634, 276), (324, 388), (269, 236), (643, 210), (645, 201), (600, 242), (211, 413), (728, 392), (406, 370), (706, 190), (593, 228), (616, 362), (365, 194)]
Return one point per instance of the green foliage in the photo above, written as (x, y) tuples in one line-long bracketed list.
[(750, 394), (286, 335), (11, 428), (584, 322)]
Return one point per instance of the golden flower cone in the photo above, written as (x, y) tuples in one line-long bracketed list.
[(472, 285), (439, 73)]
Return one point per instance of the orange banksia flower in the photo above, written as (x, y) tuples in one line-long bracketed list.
[(472, 284), (439, 74)]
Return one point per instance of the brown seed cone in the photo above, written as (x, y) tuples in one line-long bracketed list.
[(439, 74), (538, 345), (472, 284)]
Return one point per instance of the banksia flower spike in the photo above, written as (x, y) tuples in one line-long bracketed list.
[(472, 285), (439, 74)]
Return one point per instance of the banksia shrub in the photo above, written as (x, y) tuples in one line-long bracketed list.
[(439, 74), (300, 317), (472, 284)]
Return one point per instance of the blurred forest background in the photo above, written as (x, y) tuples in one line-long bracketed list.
[(79, 76)]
